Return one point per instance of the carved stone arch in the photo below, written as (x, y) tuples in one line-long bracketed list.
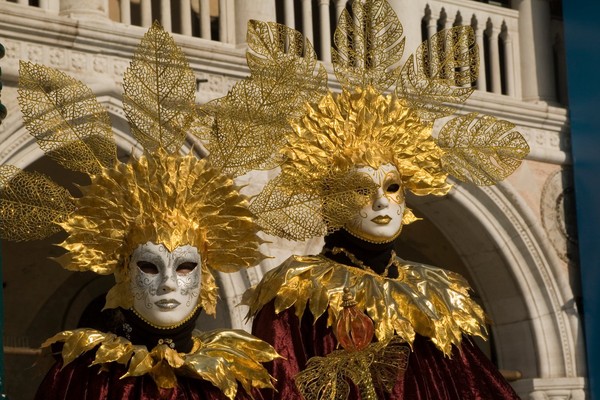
[(521, 281)]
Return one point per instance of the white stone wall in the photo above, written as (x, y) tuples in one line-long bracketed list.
[(513, 242)]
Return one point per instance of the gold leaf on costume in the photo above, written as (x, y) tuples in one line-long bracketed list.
[(31, 204), (141, 363), (66, 119), (481, 150), (159, 92), (429, 301), (249, 124), (79, 342), (440, 73), (374, 370), (368, 46)]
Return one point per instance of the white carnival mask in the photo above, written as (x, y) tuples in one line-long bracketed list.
[(380, 220), (165, 285)]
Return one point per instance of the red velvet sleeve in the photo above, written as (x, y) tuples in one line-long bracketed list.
[(296, 341), (468, 374)]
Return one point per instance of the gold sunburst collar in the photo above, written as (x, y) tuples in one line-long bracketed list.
[(426, 300)]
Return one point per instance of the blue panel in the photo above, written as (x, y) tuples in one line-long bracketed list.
[(582, 34)]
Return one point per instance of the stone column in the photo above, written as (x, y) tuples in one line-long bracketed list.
[(495, 60), (186, 17), (83, 9), (146, 10), (165, 15), (537, 66), (204, 19), (481, 78), (262, 10), (325, 30), (289, 14), (509, 65), (125, 7), (411, 14), (307, 22)]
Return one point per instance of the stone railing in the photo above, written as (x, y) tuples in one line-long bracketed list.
[(496, 27)]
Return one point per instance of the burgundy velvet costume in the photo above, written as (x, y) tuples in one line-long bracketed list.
[(80, 381), (467, 375)]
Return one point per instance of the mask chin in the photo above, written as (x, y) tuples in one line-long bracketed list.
[(370, 238)]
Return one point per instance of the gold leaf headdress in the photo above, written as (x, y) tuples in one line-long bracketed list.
[(320, 137), (161, 196)]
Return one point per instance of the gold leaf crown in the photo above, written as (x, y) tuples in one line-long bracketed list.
[(161, 197), (318, 136)]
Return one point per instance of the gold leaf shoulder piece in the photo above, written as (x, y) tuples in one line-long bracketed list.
[(222, 357), (368, 46), (440, 73), (426, 300), (482, 150), (31, 205), (159, 92), (66, 119)]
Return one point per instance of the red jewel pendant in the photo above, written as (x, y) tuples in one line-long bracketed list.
[(354, 329)]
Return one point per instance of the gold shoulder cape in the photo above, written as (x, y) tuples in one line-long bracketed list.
[(222, 357), (426, 300)]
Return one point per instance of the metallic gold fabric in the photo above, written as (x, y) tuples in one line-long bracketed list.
[(426, 300), (222, 357)]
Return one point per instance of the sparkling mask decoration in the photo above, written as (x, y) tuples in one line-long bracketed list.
[(165, 285), (318, 137), (163, 202), (381, 219)]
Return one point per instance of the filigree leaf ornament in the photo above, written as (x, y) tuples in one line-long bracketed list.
[(481, 150), (159, 92), (66, 119), (250, 123), (343, 196), (31, 205), (440, 73), (292, 214), (368, 46)]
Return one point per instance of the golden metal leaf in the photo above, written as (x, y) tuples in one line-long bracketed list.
[(249, 124), (224, 357), (65, 118), (440, 72), (482, 150), (368, 46), (159, 92), (426, 300), (31, 205)]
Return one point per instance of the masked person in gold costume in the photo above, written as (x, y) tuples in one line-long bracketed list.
[(161, 223), (357, 321)]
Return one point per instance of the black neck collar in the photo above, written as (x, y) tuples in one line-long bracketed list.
[(374, 255)]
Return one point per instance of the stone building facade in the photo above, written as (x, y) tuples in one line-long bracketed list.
[(514, 242)]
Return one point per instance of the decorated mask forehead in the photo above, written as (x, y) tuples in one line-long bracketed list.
[(165, 284)]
